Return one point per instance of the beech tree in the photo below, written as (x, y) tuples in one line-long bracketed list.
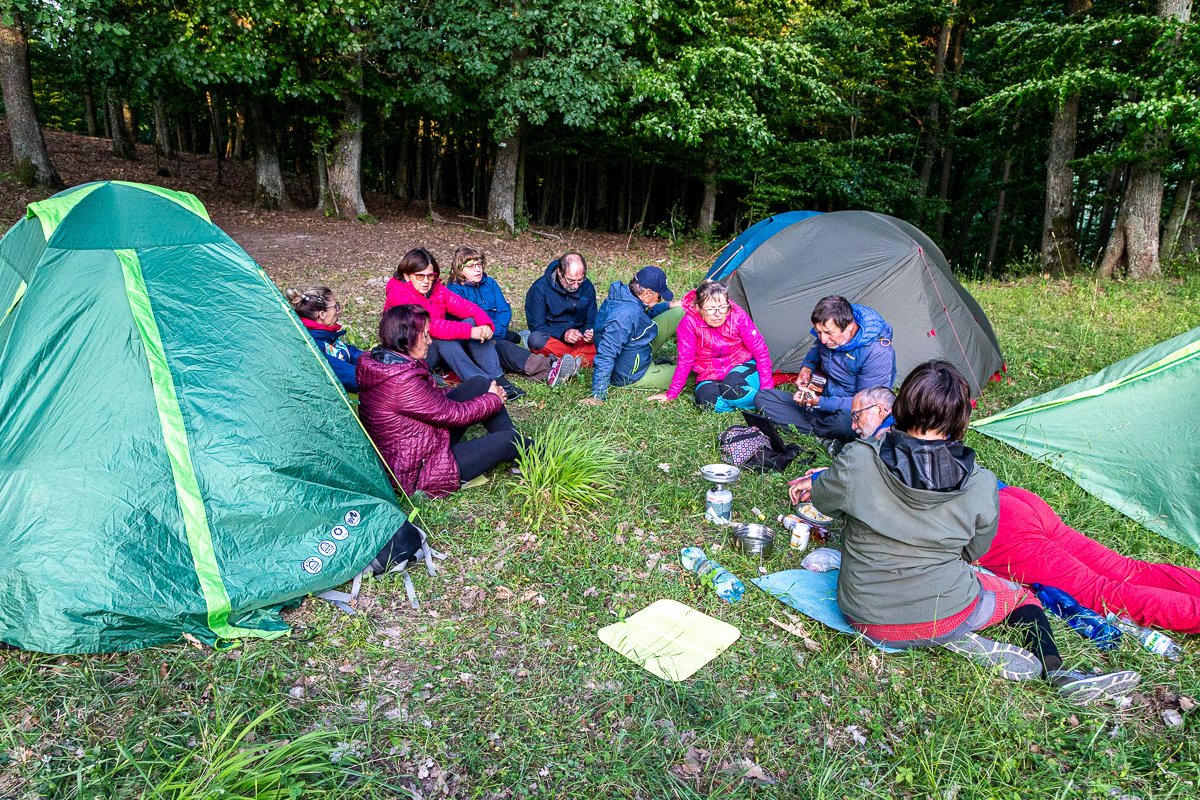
[(30, 158)]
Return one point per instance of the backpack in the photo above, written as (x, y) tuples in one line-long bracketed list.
[(407, 545), (747, 446)]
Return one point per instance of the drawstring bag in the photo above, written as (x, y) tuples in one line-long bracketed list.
[(747, 446), (407, 546)]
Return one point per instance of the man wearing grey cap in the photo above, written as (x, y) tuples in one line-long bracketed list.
[(635, 320)]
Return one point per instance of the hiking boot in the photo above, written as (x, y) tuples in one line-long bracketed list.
[(563, 370), (578, 362), (1015, 663), (1085, 687), (511, 390)]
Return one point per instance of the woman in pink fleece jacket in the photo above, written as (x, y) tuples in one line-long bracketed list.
[(718, 340), (461, 331)]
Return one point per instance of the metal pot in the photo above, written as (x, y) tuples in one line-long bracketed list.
[(753, 539)]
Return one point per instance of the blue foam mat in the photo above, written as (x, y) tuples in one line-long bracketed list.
[(813, 594)]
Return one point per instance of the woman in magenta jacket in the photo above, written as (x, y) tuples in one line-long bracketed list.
[(419, 426), (718, 340), (464, 344)]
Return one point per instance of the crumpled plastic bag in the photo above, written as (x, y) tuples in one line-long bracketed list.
[(822, 559)]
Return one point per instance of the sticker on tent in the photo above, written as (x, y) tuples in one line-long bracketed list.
[(339, 532), (352, 518), (326, 548), (312, 565)]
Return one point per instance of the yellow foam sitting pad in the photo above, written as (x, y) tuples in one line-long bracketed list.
[(670, 639)]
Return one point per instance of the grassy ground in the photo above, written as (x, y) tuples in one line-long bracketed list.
[(499, 687)]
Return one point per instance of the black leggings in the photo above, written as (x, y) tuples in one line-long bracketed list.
[(1032, 622), (477, 456)]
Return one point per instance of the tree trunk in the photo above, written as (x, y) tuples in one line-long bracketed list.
[(1059, 251), (269, 191), (502, 197), (602, 216), (1001, 196), (437, 153), (641, 223), (400, 187), (89, 106), (708, 206), (1169, 247), (162, 130), (345, 166), (1133, 247), (932, 132), (31, 160), (460, 192), (325, 203), (122, 145), (239, 134)]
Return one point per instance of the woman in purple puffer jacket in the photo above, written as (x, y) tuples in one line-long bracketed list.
[(718, 340), (419, 426)]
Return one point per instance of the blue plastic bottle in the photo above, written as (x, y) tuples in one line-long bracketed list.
[(727, 585), (1086, 622)]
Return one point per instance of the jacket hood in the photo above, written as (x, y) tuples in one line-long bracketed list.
[(618, 292), (871, 326), (931, 465), (382, 365)]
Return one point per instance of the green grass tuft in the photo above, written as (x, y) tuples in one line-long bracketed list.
[(564, 470)]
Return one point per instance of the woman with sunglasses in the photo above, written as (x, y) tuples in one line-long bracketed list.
[(718, 340), (462, 331), (319, 310), (470, 281)]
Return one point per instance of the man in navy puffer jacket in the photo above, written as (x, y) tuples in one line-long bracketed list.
[(854, 352)]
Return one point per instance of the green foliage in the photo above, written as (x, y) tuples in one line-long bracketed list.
[(565, 470), (229, 762)]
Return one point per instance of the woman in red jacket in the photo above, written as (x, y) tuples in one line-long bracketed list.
[(462, 331), (419, 426)]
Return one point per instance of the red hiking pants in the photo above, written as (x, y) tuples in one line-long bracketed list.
[(1033, 545)]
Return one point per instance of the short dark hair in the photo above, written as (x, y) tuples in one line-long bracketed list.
[(934, 398), (636, 288), (416, 260), (710, 289), (835, 309), (400, 327)]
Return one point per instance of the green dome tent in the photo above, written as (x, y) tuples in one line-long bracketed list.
[(175, 455), (875, 260), (1127, 434)]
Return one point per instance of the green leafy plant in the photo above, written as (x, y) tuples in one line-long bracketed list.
[(565, 469), (227, 763)]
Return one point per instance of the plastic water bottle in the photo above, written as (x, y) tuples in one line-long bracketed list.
[(1155, 641), (727, 585), (1086, 622)]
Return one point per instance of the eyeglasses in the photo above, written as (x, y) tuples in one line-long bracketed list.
[(471, 262), (854, 415), (571, 283), (337, 305), (715, 311), (425, 276)]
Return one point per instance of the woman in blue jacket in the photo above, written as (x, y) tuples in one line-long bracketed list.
[(469, 280), (319, 309)]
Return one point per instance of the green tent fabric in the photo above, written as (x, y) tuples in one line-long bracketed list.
[(176, 457), (1129, 434)]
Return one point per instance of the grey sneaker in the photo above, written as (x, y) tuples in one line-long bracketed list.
[(563, 371), (1086, 687), (578, 362), (1015, 663)]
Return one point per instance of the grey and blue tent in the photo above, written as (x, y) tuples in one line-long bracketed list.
[(875, 260), (175, 455), (745, 243)]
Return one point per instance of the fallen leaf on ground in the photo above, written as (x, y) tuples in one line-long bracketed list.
[(503, 593)]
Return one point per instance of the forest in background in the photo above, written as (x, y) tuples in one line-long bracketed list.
[(1066, 132)]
